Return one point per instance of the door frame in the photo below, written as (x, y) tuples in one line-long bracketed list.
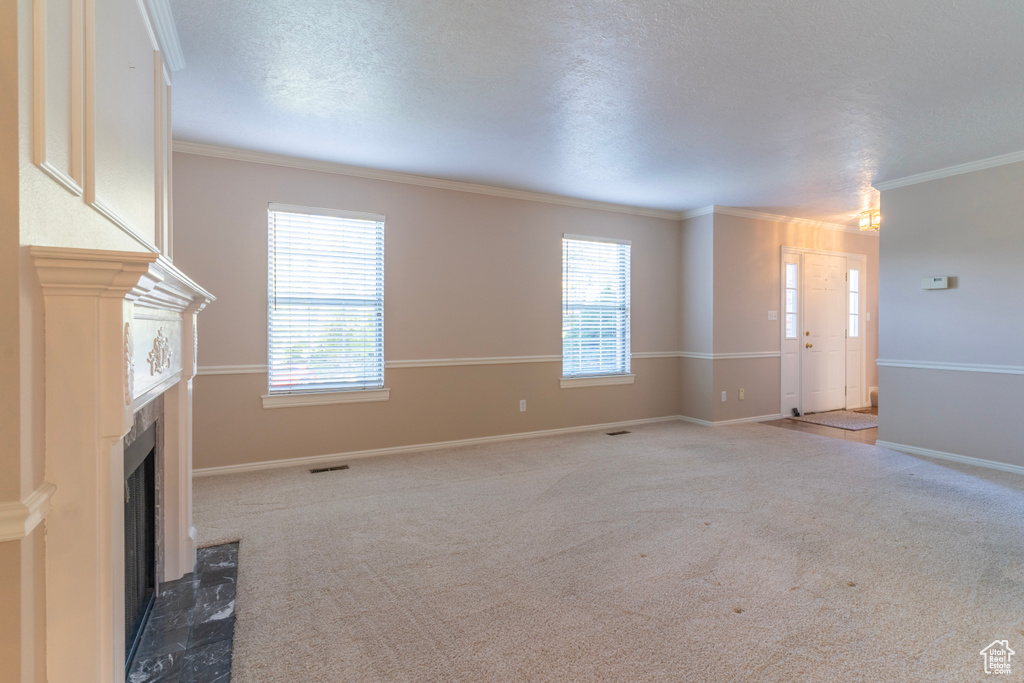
[(790, 357)]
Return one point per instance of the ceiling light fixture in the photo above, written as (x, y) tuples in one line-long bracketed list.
[(870, 220)]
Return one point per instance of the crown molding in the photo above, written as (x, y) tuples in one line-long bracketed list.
[(166, 33), (791, 220), (235, 154), (970, 167), (773, 217), (694, 213), (411, 179)]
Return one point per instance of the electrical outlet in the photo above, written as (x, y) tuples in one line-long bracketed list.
[(522, 406), (742, 394), (723, 397)]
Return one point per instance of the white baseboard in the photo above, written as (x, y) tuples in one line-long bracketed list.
[(942, 455), (352, 455), (723, 423)]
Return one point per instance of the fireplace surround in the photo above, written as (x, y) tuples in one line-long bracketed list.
[(120, 340), (140, 525)]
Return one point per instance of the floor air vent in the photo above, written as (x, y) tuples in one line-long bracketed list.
[(617, 433), (329, 469)]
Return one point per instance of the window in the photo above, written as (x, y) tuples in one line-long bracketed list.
[(595, 307), (325, 300), (854, 329), (791, 299)]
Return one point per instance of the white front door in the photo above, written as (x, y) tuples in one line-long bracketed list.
[(822, 340)]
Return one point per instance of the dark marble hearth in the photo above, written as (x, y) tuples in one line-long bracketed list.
[(189, 634)]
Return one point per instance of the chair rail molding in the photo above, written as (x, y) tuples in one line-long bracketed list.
[(19, 518), (951, 367)]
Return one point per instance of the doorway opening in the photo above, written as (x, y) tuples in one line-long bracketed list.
[(823, 346)]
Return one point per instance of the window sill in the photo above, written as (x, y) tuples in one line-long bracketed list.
[(326, 398), (595, 381)]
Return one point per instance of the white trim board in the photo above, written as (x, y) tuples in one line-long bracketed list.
[(595, 381), (317, 460), (326, 398), (494, 360), (411, 179), (450, 362), (952, 457), (959, 169), (725, 423), (445, 362), (166, 33), (730, 356), (19, 518), (232, 370), (951, 367)]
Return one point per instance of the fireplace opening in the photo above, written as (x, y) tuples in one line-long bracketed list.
[(139, 537)]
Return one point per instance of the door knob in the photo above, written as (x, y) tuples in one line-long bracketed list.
[(807, 346)]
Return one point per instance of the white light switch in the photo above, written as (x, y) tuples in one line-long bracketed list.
[(773, 315)]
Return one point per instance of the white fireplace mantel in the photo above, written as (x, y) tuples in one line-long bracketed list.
[(120, 331)]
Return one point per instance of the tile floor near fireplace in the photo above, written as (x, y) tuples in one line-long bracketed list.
[(189, 634)]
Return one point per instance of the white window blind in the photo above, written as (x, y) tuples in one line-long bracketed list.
[(595, 306), (325, 298)]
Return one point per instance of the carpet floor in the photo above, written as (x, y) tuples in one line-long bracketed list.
[(674, 553)]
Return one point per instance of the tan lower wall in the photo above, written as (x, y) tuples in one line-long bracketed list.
[(696, 382), (702, 382), (427, 405), (976, 414), (10, 611), (23, 609), (758, 377)]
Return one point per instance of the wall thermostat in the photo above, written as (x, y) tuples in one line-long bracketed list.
[(937, 282)]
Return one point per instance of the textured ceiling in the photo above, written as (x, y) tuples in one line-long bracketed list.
[(787, 106)]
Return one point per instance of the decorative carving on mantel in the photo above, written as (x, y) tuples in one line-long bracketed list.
[(129, 364), (160, 357)]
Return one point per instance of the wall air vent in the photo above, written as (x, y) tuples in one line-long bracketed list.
[(328, 469)]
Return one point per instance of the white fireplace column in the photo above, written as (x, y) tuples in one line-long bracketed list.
[(120, 331)]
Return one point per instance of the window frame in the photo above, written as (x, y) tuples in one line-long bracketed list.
[(853, 291), (294, 396), (793, 310), (605, 376)]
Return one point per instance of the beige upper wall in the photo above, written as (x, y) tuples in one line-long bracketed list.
[(747, 282), (969, 227), (466, 275), (10, 455), (697, 284)]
